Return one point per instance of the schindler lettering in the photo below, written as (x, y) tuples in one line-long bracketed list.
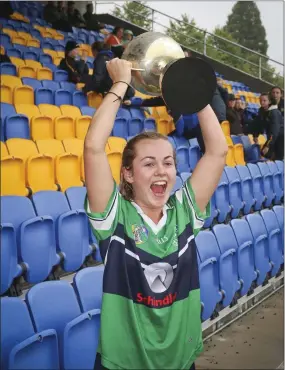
[(151, 301)]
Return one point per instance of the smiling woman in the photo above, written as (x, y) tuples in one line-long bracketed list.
[(151, 308)]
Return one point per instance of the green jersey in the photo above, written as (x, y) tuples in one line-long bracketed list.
[(151, 308)]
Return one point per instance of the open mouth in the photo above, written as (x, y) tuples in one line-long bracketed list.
[(158, 188)]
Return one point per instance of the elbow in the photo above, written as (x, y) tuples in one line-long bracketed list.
[(219, 151), (91, 147)]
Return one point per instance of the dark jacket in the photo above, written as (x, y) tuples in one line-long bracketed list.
[(281, 106), (76, 69), (219, 103), (234, 119), (269, 122)]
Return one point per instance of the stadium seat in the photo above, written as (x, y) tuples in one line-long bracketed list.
[(149, 124), (50, 110), (29, 54), (257, 182), (27, 71), (116, 144), (70, 111), (79, 99), (42, 127), (28, 110), (225, 126), (81, 126), (87, 111), (17, 125), (69, 86), (52, 85), (4, 150), (44, 74), (280, 165), (8, 69), (135, 126), (23, 95), (246, 188), (62, 97), (261, 246), (90, 277), (17, 62), (51, 147), (251, 151), (115, 162), (94, 99), (235, 196), (64, 127), (44, 96), (21, 148), (222, 199), (120, 128), (34, 64), (194, 154), (208, 256), (6, 94), (35, 237), (60, 76), (35, 84), (246, 264), (137, 113), (11, 81), (228, 263), (74, 146), (267, 179), (182, 155), (279, 213), (277, 181), (230, 159), (72, 233), (22, 347), (214, 213), (45, 59), (5, 110), (162, 126), (65, 317), (178, 184), (41, 173)]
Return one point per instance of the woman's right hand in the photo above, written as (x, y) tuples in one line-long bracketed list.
[(119, 70)]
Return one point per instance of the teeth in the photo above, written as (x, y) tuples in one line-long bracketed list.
[(159, 183)]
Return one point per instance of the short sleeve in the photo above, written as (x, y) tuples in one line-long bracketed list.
[(185, 198), (103, 224)]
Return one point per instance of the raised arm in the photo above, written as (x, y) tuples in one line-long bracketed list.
[(208, 171), (98, 176)]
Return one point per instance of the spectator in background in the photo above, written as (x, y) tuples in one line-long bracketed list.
[(127, 37), (55, 14), (73, 64), (116, 37), (4, 58), (233, 116), (91, 20), (219, 101), (74, 16), (276, 93)]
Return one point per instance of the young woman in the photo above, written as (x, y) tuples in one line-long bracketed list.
[(276, 94), (151, 308)]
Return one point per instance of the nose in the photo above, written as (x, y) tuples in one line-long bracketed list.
[(160, 169)]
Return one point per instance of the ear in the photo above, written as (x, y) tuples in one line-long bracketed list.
[(127, 175)]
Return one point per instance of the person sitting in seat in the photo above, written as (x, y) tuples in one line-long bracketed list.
[(91, 20), (233, 117)]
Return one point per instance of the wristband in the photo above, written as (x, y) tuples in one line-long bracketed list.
[(118, 97), (124, 82)]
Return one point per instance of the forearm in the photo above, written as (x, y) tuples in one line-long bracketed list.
[(103, 121), (214, 138)]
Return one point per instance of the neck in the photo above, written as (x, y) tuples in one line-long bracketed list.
[(155, 214)]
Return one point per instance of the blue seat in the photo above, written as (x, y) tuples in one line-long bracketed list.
[(79, 99), (13, 52), (235, 196), (274, 238), (17, 125), (267, 179), (44, 96), (246, 188), (178, 184), (5, 40), (52, 85), (72, 236), (35, 237), (181, 142), (222, 199), (194, 155), (124, 113), (30, 55), (149, 124), (257, 186), (279, 213), (236, 139), (51, 66), (10, 269), (280, 165), (60, 75), (245, 254), (87, 111), (228, 263), (5, 110), (137, 113), (182, 155), (38, 51), (277, 181), (35, 84), (135, 126), (121, 128), (62, 97), (45, 59), (208, 256), (69, 86), (8, 69), (46, 45), (251, 151), (185, 176), (88, 286), (214, 213), (53, 305), (22, 347), (261, 246)]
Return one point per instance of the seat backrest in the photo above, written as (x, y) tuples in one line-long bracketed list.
[(62, 97), (89, 298), (70, 111), (120, 128), (263, 168), (22, 148), (116, 144), (76, 197), (16, 209), (181, 142), (279, 212), (124, 113), (231, 173), (17, 126), (63, 309), (87, 111), (52, 147), (273, 168), (4, 150), (35, 84), (207, 245), (79, 99), (256, 225), (270, 220), (28, 110), (44, 95), (49, 110), (69, 86), (74, 146), (52, 203), (34, 64), (24, 95), (11, 81), (52, 85), (243, 172), (241, 230), (6, 110), (225, 237), (254, 170)]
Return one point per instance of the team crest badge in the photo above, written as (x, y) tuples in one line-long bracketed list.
[(140, 233)]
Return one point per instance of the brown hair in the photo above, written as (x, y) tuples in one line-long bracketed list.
[(129, 155)]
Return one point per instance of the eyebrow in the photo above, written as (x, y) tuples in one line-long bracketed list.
[(150, 157)]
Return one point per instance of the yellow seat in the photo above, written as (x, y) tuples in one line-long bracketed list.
[(42, 127), (33, 63), (81, 126), (6, 94), (26, 71), (94, 99), (74, 146), (52, 53), (19, 17), (50, 147), (251, 139), (230, 159), (9, 32), (11, 81), (52, 31), (2, 50), (28, 109), (33, 43), (19, 40), (64, 128), (70, 111), (239, 154), (60, 54), (24, 95), (225, 126), (160, 113), (41, 173), (68, 171), (25, 35), (13, 176), (44, 74), (4, 150), (17, 61), (115, 162), (56, 60), (49, 110), (38, 27), (82, 170), (21, 148), (261, 140), (163, 126), (46, 34), (58, 37), (116, 144)]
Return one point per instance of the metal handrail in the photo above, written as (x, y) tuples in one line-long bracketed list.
[(204, 42)]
